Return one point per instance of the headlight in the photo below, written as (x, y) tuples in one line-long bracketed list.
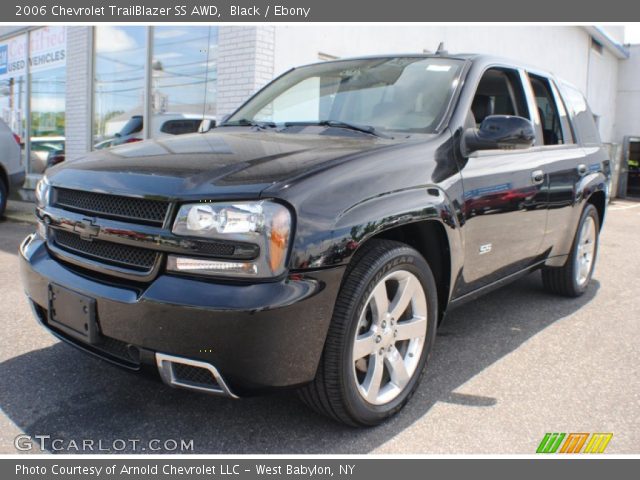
[(43, 192), (263, 223)]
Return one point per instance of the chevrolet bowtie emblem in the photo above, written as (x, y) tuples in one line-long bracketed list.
[(86, 229)]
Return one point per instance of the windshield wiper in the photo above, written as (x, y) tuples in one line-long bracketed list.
[(340, 124), (244, 122), (368, 129)]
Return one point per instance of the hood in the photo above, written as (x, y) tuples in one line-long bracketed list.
[(227, 162)]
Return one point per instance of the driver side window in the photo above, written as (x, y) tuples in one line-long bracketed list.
[(499, 92)]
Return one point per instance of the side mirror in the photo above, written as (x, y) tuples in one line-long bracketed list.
[(503, 132)]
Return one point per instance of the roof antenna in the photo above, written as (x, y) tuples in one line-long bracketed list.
[(441, 50)]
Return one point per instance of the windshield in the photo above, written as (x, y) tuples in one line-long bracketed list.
[(396, 94)]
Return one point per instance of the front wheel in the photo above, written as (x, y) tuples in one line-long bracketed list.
[(380, 338), (573, 278)]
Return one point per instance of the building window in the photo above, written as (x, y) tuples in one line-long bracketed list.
[(47, 59), (118, 88), (13, 85), (183, 80), (40, 54)]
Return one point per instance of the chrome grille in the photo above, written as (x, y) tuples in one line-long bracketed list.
[(112, 206), (126, 256)]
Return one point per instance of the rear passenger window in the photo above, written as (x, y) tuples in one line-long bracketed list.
[(499, 92), (547, 111), (564, 117), (583, 120)]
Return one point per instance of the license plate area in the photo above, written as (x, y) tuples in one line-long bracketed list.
[(73, 313)]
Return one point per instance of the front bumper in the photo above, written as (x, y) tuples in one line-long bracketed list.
[(258, 336)]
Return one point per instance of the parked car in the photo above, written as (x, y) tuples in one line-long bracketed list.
[(164, 124), (11, 169), (319, 235)]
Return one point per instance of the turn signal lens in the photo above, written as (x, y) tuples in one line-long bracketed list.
[(279, 239), (198, 265)]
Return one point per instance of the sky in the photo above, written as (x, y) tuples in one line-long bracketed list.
[(632, 33)]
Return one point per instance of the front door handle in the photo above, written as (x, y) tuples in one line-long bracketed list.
[(537, 177)]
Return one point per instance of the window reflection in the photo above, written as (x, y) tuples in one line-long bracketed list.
[(182, 92), (47, 53), (183, 80), (119, 65), (13, 85)]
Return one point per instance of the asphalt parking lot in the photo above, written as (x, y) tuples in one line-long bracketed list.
[(506, 369)]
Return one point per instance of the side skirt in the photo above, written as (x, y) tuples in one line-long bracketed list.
[(467, 297)]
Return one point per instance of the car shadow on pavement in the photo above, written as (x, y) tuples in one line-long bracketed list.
[(63, 393)]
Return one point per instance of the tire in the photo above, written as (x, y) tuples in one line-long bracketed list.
[(4, 193), (570, 280), (344, 386)]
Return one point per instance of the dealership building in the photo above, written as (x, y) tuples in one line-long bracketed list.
[(74, 89)]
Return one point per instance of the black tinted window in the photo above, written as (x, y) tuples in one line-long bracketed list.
[(583, 119), (547, 111), (499, 93)]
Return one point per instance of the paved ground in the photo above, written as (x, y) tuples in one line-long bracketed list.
[(506, 369)]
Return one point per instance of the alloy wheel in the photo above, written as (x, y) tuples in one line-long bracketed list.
[(586, 250), (390, 337)]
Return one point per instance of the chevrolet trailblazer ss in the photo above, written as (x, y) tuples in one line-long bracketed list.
[(315, 238)]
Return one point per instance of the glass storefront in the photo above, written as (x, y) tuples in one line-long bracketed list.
[(183, 80), (181, 76), (118, 88), (47, 60), (166, 72), (13, 85), (44, 61)]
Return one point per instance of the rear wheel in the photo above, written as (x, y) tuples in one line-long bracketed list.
[(380, 336), (573, 278)]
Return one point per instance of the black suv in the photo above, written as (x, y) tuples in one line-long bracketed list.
[(316, 238)]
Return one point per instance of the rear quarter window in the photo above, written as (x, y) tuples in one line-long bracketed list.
[(583, 120)]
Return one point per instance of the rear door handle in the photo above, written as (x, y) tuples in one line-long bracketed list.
[(537, 177)]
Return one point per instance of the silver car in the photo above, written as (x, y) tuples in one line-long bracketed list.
[(11, 169)]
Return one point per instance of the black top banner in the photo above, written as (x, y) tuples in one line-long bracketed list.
[(95, 11)]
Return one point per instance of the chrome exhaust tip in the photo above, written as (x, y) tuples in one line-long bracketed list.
[(190, 374)]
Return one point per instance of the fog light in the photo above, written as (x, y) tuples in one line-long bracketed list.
[(210, 267)]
